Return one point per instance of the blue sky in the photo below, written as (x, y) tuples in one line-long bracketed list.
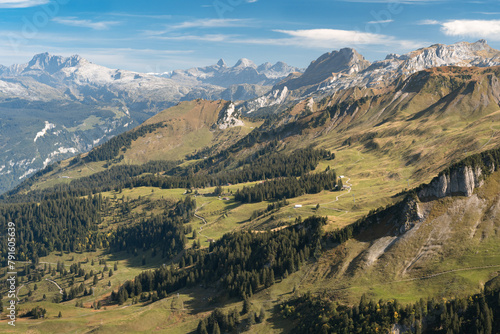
[(159, 36)]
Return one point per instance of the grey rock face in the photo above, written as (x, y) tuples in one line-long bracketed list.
[(461, 181)]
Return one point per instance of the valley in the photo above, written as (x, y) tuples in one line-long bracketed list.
[(332, 208)]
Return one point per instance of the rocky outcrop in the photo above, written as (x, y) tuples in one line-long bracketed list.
[(410, 216), (228, 118), (460, 181), (346, 61)]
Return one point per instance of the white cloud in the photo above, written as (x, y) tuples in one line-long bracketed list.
[(203, 23), (202, 38), (380, 22), (75, 22), (22, 3), (211, 23), (472, 28), (333, 38), (145, 16), (315, 38), (428, 22)]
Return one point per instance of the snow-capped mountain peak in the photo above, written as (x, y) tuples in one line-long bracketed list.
[(244, 62)]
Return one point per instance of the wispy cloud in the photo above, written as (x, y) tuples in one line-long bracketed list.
[(334, 38), (144, 16), (212, 23), (488, 13), (202, 23), (313, 38), (428, 22), (202, 38), (22, 3), (75, 22), (472, 28), (380, 22)]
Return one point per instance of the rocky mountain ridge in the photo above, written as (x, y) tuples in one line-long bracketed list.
[(347, 68)]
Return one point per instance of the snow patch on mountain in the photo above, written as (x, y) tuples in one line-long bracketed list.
[(48, 126), (60, 150), (27, 173)]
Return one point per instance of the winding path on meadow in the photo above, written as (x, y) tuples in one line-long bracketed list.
[(55, 283), (202, 219)]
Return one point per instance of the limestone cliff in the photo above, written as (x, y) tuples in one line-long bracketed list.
[(460, 181)]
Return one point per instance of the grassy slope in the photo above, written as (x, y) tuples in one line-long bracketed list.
[(396, 141), (190, 127)]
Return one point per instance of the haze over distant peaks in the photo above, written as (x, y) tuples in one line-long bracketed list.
[(244, 72)]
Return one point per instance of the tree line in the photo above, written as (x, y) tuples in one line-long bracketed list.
[(66, 224), (239, 263), (288, 187), (110, 149), (269, 166)]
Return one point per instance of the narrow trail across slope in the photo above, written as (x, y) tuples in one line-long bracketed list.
[(202, 219), (55, 283), (17, 293)]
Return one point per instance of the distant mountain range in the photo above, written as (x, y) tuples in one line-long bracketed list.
[(347, 68), (245, 72), (54, 107)]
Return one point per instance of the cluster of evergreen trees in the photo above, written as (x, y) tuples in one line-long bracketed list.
[(268, 166), (66, 224), (475, 314), (36, 313), (271, 207), (165, 230), (71, 224), (219, 321), (116, 176), (288, 187), (262, 165), (240, 263)]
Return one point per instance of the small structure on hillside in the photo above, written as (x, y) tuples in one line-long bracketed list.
[(298, 206)]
